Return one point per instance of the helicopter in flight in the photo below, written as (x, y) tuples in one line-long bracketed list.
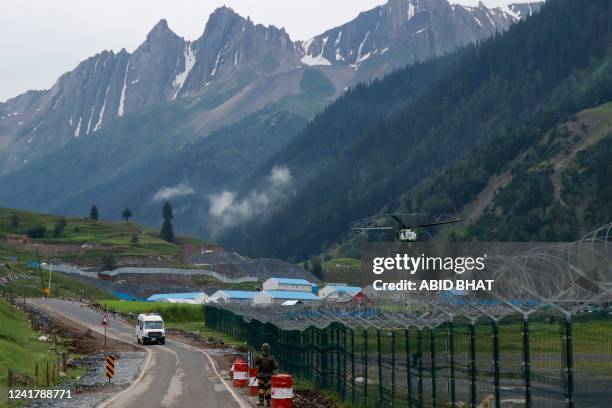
[(404, 231)]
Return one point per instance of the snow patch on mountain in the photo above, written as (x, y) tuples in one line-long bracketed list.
[(362, 57), (99, 124), (77, 132), (181, 77), (315, 60), (121, 109), (214, 71), (410, 11)]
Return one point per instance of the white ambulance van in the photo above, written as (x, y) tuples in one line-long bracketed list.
[(150, 329)]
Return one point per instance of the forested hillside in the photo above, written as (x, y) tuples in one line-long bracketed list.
[(559, 189), (489, 104)]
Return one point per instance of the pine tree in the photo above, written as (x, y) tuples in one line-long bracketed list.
[(93, 214), (167, 231), (126, 214), (167, 212)]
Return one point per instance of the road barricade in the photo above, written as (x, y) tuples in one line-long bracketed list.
[(253, 383), (241, 374), (282, 391)]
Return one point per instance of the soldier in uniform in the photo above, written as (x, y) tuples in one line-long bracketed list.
[(267, 366)]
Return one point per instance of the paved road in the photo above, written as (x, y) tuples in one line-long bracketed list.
[(175, 374)]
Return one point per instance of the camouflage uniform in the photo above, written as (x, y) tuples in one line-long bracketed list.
[(267, 366)]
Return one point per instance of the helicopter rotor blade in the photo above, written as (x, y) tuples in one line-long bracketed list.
[(398, 219), (372, 228), (436, 223)]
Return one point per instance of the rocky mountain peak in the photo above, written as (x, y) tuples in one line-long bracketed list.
[(165, 67), (160, 30), (397, 33), (221, 19), (522, 10)]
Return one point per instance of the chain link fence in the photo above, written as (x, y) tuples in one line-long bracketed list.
[(541, 338)]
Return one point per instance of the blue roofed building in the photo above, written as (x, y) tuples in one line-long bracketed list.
[(272, 297), (192, 297), (288, 284), (337, 290), (232, 296)]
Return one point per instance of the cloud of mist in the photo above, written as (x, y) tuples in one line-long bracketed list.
[(228, 210), (180, 190)]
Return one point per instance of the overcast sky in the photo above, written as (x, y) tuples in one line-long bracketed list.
[(42, 39)]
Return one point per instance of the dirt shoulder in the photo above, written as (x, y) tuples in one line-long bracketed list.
[(78, 339)]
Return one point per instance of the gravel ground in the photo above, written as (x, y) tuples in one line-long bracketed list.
[(93, 387), (127, 367)]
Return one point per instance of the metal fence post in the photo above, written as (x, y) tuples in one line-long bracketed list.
[(9, 384), (420, 365), (526, 361), (569, 362), (310, 341), (329, 358), (344, 352), (408, 368), (472, 364), (432, 353), (338, 349), (393, 368), (304, 351), (496, 371), (365, 367), (380, 375), (353, 365), (323, 352), (451, 346)]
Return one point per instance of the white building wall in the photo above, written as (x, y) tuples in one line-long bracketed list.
[(273, 284), (299, 288), (262, 298), (218, 296), (326, 291)]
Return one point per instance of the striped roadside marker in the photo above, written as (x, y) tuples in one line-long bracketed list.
[(110, 367)]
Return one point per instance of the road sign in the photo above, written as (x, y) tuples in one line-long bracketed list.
[(105, 323), (110, 367)]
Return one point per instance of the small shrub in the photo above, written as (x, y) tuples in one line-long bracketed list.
[(37, 231)]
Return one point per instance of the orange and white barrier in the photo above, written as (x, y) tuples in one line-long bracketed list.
[(282, 391), (241, 374), (253, 383)]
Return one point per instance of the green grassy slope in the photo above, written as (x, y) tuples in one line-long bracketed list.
[(105, 236), (20, 350), (171, 312), (102, 239), (79, 231)]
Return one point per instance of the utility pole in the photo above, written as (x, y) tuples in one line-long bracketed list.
[(42, 281), (50, 270)]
